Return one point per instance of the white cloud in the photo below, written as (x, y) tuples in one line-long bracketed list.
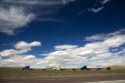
[(18, 61), (67, 1), (22, 45), (33, 2), (92, 54), (64, 47), (29, 57), (16, 14), (105, 1), (95, 10), (98, 37), (17, 57), (35, 43), (13, 18), (21, 48), (9, 52), (39, 2), (115, 41), (101, 37)]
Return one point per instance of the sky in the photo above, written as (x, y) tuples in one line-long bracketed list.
[(65, 33)]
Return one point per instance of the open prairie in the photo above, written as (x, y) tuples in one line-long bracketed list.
[(18, 72), (17, 75)]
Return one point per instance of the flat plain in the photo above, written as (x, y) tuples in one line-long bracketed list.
[(17, 75)]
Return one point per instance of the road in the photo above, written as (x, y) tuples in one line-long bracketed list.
[(64, 79)]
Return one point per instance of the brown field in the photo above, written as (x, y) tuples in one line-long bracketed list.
[(17, 75)]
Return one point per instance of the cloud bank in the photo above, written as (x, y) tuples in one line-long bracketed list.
[(104, 49), (92, 54), (17, 56)]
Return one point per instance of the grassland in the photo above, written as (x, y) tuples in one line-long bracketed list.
[(18, 72)]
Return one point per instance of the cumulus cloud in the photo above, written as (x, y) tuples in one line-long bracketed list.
[(29, 57), (17, 57), (91, 54), (22, 45), (18, 61), (9, 52), (13, 18), (35, 43), (20, 48), (101, 37)]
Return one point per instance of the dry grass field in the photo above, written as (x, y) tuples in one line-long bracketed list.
[(18, 72), (17, 75)]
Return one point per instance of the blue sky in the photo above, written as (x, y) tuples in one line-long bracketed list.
[(60, 32)]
